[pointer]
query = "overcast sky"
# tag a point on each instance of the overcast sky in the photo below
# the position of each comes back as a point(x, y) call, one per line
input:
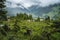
point(29, 3)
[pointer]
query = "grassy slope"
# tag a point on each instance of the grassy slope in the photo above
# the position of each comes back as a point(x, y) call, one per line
point(36, 27)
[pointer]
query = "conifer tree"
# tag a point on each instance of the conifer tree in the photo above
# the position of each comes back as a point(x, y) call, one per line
point(30, 17)
point(2, 10)
point(38, 19)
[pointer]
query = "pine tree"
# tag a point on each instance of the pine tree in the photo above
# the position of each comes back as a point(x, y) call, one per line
point(2, 10)
point(47, 18)
point(38, 19)
point(30, 17)
point(25, 16)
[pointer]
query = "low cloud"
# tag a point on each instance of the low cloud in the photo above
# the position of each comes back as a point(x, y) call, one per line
point(48, 2)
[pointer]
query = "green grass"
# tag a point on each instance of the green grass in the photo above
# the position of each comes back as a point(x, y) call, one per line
point(37, 29)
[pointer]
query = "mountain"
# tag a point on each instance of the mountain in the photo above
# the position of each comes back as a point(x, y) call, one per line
point(42, 10)
point(14, 11)
point(17, 8)
point(35, 10)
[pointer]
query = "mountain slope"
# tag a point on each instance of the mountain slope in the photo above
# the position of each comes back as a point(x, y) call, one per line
point(35, 10)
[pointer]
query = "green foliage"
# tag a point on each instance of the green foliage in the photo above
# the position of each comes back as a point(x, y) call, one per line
point(47, 18)
point(16, 27)
point(38, 19)
point(6, 28)
point(31, 31)
point(3, 32)
point(30, 17)
point(2, 11)
point(24, 16)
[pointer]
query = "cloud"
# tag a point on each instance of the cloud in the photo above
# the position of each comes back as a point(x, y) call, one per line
point(25, 3)
point(48, 2)
point(29, 3)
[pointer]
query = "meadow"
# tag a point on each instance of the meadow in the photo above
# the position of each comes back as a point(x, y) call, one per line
point(25, 30)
